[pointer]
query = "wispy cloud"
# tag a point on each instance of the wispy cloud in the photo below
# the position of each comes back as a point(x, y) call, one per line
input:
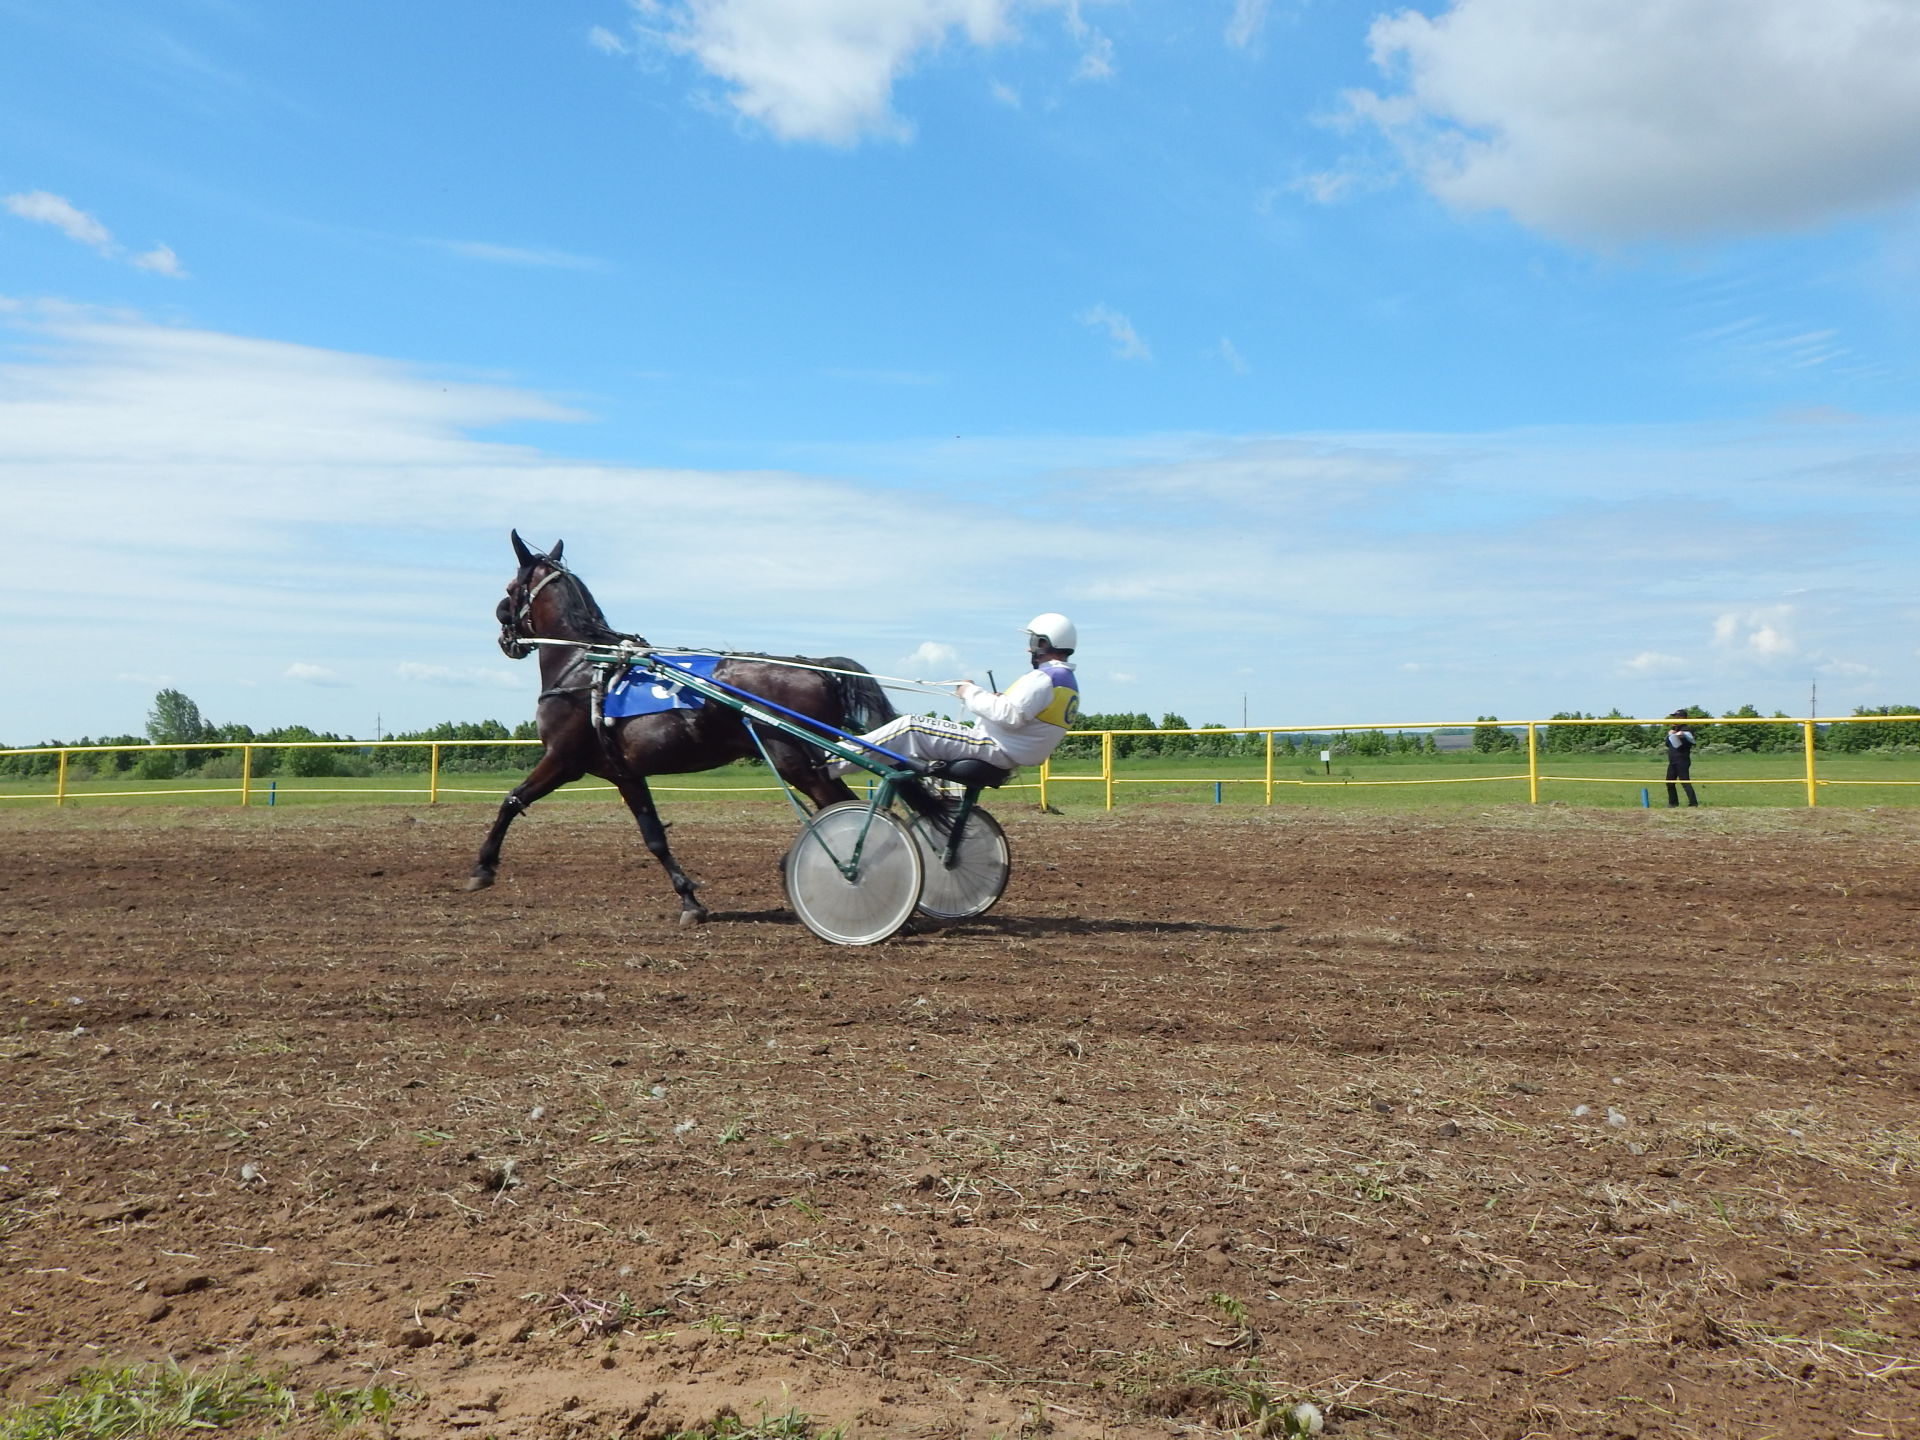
point(301, 673)
point(1653, 663)
point(1248, 20)
point(460, 677)
point(532, 257)
point(215, 471)
point(161, 261)
point(1127, 343)
point(42, 207)
point(605, 41)
point(913, 379)
point(1230, 353)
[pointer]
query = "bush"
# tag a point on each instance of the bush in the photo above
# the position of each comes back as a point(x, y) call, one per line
point(312, 764)
point(159, 765)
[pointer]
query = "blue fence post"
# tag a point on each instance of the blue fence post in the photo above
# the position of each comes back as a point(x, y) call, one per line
point(1645, 802)
point(1216, 792)
point(272, 785)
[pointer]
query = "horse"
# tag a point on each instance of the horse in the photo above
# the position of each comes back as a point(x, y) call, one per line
point(547, 601)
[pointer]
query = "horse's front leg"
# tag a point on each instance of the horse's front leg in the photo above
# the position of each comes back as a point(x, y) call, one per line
point(640, 801)
point(549, 775)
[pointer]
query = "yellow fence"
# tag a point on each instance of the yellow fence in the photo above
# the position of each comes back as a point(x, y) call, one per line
point(248, 784)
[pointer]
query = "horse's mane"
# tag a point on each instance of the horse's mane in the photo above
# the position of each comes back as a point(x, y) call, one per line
point(580, 612)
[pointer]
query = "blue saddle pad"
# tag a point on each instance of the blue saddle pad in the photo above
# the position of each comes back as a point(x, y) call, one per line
point(643, 692)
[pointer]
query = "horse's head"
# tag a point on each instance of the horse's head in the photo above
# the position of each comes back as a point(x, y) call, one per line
point(515, 610)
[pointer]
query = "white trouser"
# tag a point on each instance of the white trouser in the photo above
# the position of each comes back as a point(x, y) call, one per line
point(926, 737)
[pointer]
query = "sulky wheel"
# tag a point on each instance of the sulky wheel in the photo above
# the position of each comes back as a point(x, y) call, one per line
point(879, 896)
point(978, 876)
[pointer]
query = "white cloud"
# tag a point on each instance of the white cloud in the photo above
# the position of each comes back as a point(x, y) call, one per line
point(826, 70)
point(44, 208)
point(1756, 634)
point(1127, 343)
point(934, 660)
point(811, 71)
point(1610, 120)
point(302, 673)
point(161, 261)
point(470, 677)
point(1230, 353)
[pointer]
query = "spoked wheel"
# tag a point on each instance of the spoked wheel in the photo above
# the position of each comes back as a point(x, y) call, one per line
point(978, 876)
point(877, 899)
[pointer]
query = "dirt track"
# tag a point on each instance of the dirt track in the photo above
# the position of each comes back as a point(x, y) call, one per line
point(1217, 1111)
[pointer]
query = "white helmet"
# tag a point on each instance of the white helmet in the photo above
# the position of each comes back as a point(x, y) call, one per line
point(1056, 630)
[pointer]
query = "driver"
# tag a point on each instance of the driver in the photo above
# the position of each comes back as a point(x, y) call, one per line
point(1016, 726)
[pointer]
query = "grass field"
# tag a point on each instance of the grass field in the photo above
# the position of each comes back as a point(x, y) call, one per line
point(1409, 782)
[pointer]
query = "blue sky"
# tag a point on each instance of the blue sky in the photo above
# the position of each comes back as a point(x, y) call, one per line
point(1341, 361)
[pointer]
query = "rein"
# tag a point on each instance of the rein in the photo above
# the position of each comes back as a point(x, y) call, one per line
point(609, 653)
point(889, 682)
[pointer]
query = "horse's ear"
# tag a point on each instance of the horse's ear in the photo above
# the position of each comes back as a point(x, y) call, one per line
point(554, 554)
point(524, 555)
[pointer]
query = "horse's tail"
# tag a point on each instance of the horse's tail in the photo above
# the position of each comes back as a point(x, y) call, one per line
point(863, 704)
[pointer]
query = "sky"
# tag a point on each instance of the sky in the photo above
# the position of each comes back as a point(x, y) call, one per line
point(1325, 361)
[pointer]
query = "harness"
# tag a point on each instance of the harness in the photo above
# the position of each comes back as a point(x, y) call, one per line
point(595, 686)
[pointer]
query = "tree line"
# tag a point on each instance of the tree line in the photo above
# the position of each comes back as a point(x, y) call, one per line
point(176, 720)
point(1745, 729)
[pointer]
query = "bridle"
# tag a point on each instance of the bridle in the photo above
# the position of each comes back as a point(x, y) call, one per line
point(513, 632)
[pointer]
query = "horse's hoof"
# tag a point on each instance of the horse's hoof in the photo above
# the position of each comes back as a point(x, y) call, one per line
point(479, 882)
point(696, 916)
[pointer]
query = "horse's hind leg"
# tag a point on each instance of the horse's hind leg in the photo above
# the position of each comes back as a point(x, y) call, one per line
point(549, 775)
point(640, 801)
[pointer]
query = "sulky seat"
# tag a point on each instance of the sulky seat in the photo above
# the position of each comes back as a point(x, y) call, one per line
point(973, 774)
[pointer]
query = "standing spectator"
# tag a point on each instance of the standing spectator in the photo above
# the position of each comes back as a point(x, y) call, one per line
point(1680, 759)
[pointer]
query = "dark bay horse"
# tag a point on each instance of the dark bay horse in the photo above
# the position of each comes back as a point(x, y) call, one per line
point(547, 601)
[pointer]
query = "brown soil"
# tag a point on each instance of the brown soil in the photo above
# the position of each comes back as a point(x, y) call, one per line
point(1488, 1124)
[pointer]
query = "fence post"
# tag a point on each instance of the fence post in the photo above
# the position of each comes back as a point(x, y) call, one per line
point(1043, 781)
point(246, 775)
point(433, 776)
point(1806, 733)
point(1269, 767)
point(1533, 763)
point(1106, 763)
point(60, 784)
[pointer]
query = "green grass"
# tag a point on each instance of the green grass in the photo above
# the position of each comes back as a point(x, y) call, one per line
point(1406, 782)
point(1396, 782)
point(165, 1400)
point(788, 1425)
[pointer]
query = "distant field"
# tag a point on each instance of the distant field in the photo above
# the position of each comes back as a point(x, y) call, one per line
point(1388, 782)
